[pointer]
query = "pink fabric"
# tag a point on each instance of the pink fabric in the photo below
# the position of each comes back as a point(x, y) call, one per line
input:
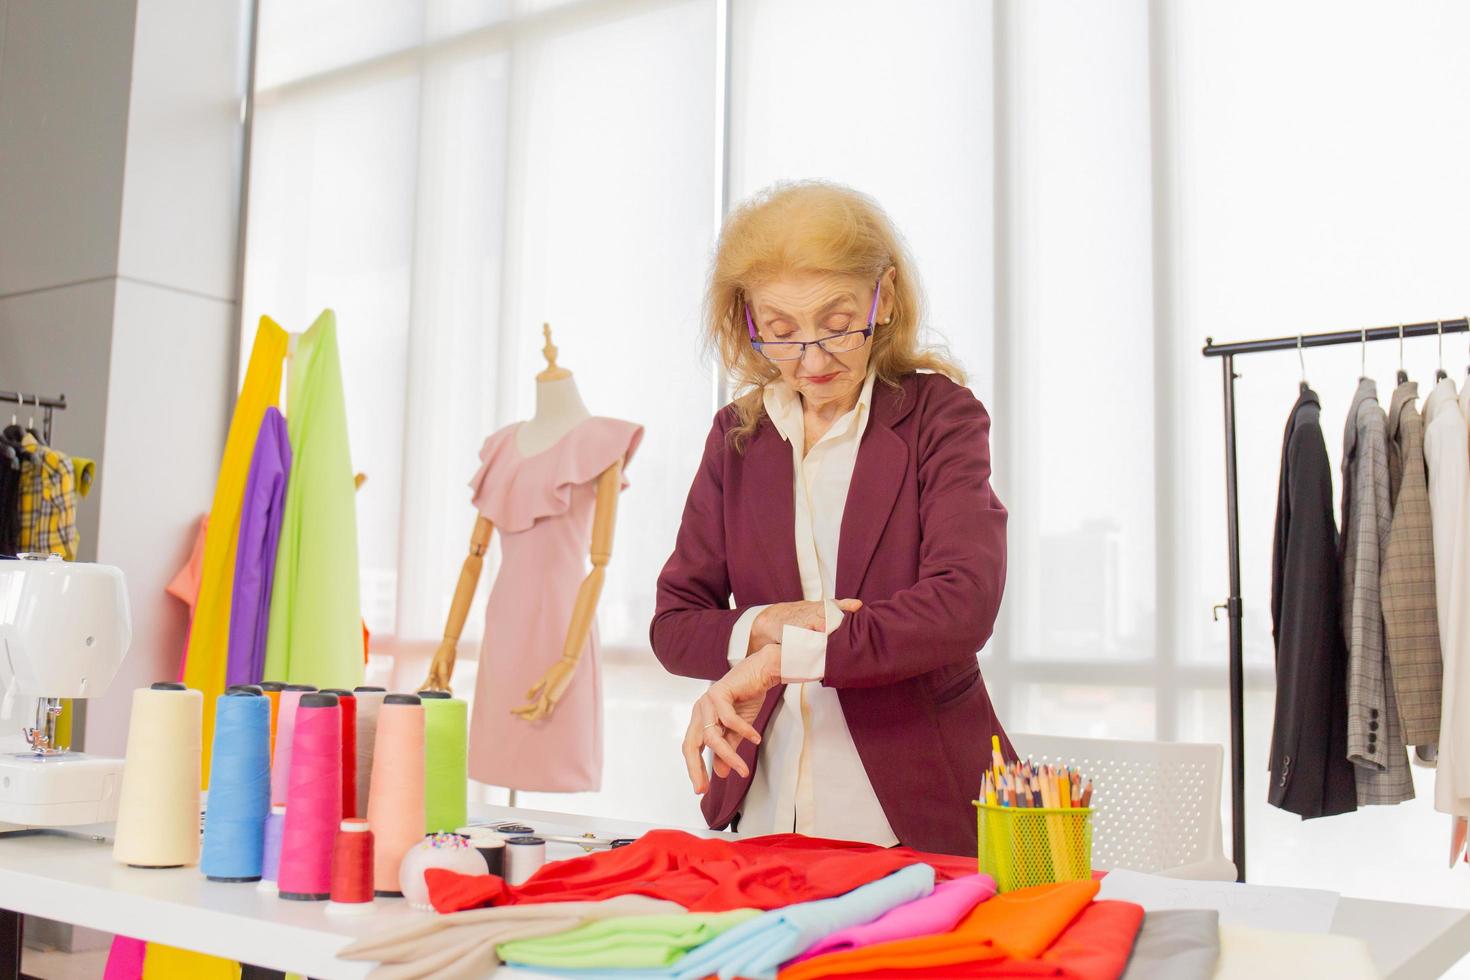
point(542, 507)
point(125, 959)
point(184, 586)
point(936, 913)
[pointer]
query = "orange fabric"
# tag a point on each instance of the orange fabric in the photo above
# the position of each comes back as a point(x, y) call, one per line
point(1019, 925)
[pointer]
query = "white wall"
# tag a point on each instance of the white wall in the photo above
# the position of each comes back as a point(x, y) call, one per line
point(120, 161)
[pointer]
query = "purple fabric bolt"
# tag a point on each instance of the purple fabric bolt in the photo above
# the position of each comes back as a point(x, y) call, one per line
point(255, 554)
point(936, 913)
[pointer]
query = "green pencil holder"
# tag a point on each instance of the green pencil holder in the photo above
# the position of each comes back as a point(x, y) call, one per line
point(1025, 846)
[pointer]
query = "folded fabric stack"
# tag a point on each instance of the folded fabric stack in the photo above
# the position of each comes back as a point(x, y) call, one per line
point(672, 906)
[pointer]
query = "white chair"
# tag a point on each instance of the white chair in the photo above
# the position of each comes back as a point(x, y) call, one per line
point(1156, 805)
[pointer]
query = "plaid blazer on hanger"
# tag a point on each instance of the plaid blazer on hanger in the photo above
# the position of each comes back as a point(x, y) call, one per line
point(1407, 577)
point(1375, 743)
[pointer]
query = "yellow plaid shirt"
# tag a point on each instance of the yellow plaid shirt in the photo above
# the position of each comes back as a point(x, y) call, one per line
point(48, 500)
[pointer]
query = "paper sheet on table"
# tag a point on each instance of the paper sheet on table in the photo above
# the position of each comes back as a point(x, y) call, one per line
point(1259, 906)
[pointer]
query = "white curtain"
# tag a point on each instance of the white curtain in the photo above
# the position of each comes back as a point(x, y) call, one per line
point(1089, 189)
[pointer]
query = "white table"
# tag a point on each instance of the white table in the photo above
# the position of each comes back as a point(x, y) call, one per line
point(76, 881)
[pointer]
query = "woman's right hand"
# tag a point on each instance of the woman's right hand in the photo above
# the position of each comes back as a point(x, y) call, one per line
point(804, 615)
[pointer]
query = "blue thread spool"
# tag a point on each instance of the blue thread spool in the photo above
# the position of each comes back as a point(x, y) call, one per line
point(239, 790)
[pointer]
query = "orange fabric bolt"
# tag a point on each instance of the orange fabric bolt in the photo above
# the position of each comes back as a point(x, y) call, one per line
point(1017, 925)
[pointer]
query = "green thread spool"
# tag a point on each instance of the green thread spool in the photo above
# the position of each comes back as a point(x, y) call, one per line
point(446, 740)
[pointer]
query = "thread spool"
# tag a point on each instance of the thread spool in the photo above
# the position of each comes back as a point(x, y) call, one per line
point(313, 800)
point(524, 856)
point(270, 865)
point(272, 690)
point(369, 703)
point(348, 704)
point(515, 830)
point(285, 728)
point(352, 868)
point(244, 689)
point(446, 776)
point(490, 845)
point(239, 787)
point(158, 808)
point(396, 798)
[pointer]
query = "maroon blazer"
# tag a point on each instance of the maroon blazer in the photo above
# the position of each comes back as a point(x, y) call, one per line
point(923, 544)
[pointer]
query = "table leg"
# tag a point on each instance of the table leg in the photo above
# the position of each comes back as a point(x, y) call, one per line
point(12, 929)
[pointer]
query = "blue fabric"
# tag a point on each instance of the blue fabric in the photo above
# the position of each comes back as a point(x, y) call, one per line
point(755, 950)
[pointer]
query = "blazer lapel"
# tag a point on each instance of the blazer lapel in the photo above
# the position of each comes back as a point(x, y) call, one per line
point(770, 502)
point(882, 461)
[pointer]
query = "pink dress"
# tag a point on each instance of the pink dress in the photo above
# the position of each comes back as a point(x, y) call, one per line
point(542, 507)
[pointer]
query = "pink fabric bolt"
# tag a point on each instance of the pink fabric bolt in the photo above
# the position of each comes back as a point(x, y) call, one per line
point(936, 913)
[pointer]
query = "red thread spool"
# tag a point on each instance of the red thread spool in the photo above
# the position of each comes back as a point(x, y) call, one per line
point(348, 703)
point(313, 800)
point(352, 867)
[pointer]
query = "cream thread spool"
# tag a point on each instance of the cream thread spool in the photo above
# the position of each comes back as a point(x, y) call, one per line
point(524, 856)
point(369, 703)
point(158, 809)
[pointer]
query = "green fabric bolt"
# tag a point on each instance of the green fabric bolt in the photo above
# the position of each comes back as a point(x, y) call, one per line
point(446, 745)
point(315, 633)
point(643, 941)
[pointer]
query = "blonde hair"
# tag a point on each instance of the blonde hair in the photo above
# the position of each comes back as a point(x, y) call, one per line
point(810, 226)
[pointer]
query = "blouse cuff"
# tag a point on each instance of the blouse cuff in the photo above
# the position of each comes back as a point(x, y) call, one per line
point(804, 652)
point(740, 635)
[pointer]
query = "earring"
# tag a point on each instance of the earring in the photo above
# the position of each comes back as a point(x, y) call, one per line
point(889, 320)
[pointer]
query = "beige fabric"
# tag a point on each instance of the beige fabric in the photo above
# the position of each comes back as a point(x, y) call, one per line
point(1260, 954)
point(461, 945)
point(1408, 590)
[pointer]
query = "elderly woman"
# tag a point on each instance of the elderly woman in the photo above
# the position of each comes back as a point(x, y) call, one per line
point(844, 503)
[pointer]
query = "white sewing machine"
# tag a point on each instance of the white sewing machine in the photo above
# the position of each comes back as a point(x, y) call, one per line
point(64, 629)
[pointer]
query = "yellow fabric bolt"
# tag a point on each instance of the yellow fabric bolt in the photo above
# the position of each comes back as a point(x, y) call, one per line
point(204, 667)
point(168, 963)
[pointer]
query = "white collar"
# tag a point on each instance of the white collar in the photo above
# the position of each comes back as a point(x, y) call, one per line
point(783, 404)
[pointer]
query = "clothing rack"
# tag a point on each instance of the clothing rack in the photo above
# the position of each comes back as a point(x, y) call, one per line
point(47, 404)
point(1232, 606)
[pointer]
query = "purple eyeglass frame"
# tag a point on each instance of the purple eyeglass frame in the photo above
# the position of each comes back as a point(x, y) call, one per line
point(867, 332)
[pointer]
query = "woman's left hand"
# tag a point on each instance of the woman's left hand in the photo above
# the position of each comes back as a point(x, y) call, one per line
point(722, 717)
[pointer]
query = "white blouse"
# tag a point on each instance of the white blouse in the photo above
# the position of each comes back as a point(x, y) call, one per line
point(809, 778)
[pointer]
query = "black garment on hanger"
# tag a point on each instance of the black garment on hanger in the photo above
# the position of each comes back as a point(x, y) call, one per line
point(1310, 772)
point(11, 454)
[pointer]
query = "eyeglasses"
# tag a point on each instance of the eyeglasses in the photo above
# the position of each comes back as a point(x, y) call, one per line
point(792, 350)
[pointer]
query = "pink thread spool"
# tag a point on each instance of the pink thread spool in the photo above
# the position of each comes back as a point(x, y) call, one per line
point(396, 795)
point(313, 800)
point(285, 725)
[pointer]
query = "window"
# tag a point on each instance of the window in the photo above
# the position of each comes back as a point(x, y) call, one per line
point(1088, 190)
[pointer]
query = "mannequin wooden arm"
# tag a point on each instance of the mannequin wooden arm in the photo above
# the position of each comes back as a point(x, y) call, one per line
point(542, 698)
point(441, 670)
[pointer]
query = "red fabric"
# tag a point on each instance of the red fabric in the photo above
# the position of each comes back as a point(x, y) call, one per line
point(1095, 946)
point(701, 875)
point(923, 545)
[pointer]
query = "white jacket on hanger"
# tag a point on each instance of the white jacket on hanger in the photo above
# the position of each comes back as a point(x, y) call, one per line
point(1447, 455)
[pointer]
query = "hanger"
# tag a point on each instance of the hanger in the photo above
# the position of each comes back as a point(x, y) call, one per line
point(1439, 374)
point(1403, 376)
point(31, 423)
point(1363, 371)
point(1302, 358)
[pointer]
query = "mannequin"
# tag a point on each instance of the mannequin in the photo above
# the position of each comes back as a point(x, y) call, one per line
point(559, 409)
